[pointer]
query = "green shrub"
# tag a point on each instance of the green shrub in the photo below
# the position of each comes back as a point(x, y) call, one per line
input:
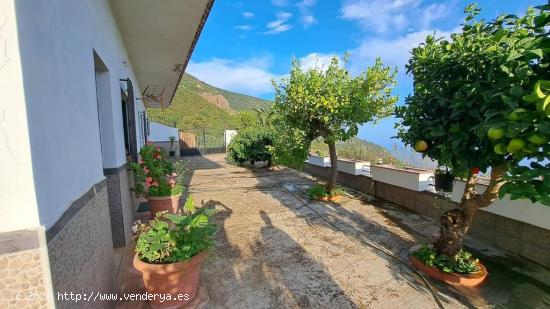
point(319, 190)
point(251, 145)
point(170, 238)
point(463, 263)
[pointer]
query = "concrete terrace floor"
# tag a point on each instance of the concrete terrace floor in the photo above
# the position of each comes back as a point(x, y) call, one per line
point(275, 248)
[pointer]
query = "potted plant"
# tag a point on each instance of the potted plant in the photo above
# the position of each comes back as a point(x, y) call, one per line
point(320, 192)
point(160, 180)
point(172, 152)
point(170, 250)
point(443, 179)
point(488, 113)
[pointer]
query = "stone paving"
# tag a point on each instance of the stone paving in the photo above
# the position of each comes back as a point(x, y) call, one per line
point(277, 249)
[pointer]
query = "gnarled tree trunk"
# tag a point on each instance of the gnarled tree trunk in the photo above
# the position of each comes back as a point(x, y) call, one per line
point(333, 166)
point(455, 223)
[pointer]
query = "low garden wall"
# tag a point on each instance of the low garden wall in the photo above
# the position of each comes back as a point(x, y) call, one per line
point(527, 240)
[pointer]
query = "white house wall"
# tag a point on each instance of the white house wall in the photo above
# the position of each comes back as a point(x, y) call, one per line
point(162, 133)
point(17, 196)
point(57, 40)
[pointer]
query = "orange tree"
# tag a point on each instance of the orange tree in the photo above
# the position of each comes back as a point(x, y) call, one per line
point(481, 102)
point(328, 103)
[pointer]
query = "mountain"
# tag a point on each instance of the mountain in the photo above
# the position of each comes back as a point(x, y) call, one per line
point(197, 104)
point(236, 101)
point(357, 149)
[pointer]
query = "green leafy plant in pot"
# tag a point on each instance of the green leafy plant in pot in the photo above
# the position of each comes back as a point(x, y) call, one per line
point(170, 250)
point(160, 180)
point(480, 104)
point(319, 192)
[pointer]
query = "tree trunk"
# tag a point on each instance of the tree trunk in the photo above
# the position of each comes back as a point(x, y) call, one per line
point(456, 223)
point(333, 166)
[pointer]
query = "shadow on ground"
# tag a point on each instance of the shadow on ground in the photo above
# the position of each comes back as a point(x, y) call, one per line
point(276, 248)
point(513, 281)
point(277, 273)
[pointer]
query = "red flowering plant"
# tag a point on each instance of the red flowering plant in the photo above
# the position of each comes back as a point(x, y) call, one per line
point(155, 174)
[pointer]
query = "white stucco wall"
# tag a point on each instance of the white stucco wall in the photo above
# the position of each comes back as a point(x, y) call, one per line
point(17, 195)
point(57, 39)
point(412, 179)
point(162, 133)
point(521, 210)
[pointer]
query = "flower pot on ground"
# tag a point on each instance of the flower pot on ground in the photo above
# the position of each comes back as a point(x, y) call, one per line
point(164, 203)
point(172, 152)
point(462, 270)
point(160, 180)
point(319, 192)
point(170, 250)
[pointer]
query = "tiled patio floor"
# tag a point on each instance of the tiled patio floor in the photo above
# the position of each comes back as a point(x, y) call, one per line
point(277, 249)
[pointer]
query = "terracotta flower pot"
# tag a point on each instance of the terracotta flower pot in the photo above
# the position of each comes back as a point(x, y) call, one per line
point(465, 280)
point(334, 198)
point(180, 280)
point(164, 203)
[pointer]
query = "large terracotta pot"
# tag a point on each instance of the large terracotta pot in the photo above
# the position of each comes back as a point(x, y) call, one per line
point(465, 280)
point(164, 203)
point(180, 280)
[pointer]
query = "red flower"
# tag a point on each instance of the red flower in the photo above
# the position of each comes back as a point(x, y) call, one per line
point(475, 170)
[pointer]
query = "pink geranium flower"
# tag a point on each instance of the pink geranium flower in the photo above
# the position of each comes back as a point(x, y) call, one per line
point(174, 174)
point(148, 180)
point(155, 184)
point(145, 170)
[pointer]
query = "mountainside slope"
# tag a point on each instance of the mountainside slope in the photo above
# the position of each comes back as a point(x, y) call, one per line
point(190, 110)
point(357, 149)
point(237, 101)
point(197, 104)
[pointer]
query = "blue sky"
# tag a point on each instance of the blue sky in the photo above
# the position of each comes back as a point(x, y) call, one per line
point(245, 44)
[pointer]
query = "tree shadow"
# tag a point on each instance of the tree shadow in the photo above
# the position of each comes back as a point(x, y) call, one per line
point(352, 219)
point(265, 270)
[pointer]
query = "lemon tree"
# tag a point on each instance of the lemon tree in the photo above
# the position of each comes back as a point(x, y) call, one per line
point(481, 102)
point(329, 103)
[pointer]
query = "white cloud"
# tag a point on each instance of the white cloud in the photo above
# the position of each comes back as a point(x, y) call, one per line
point(305, 7)
point(382, 16)
point(243, 27)
point(394, 52)
point(251, 77)
point(280, 24)
point(308, 20)
point(316, 60)
point(248, 14)
point(431, 13)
